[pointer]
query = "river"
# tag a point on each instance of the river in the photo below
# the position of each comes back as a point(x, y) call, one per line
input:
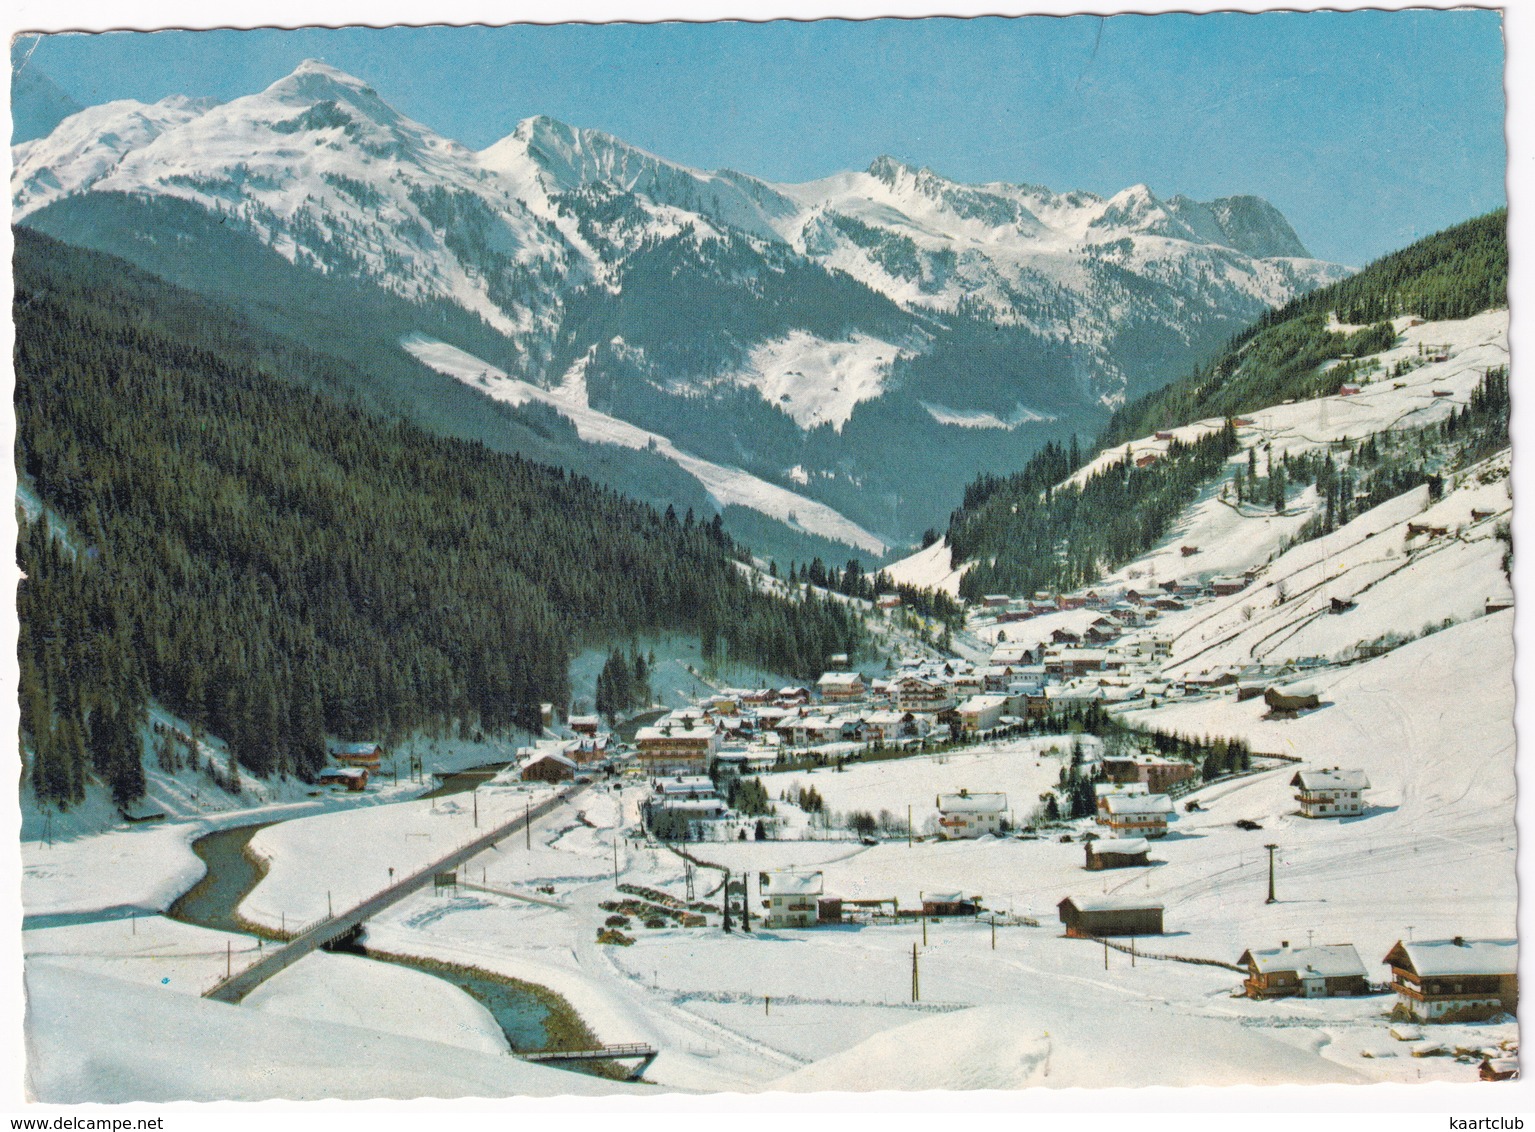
point(531, 1017)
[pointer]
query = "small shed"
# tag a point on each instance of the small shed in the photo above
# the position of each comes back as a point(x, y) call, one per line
point(1091, 916)
point(949, 904)
point(1292, 698)
point(354, 778)
point(1117, 853)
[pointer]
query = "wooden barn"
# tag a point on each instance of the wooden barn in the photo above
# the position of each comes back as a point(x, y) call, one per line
point(1117, 853)
point(1091, 916)
point(949, 904)
point(1292, 698)
point(1331, 970)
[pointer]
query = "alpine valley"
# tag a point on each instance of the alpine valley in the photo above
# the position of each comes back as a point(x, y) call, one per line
point(718, 341)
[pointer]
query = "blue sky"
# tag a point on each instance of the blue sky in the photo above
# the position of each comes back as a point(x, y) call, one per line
point(1367, 129)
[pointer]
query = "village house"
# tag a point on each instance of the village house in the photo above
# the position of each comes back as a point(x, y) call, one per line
point(1155, 771)
point(358, 754)
point(1330, 970)
point(790, 899)
point(676, 749)
point(547, 766)
point(1331, 793)
point(1446, 980)
point(913, 693)
point(981, 713)
point(585, 725)
point(841, 687)
point(967, 815)
point(1116, 853)
point(1069, 663)
point(1098, 916)
point(1136, 815)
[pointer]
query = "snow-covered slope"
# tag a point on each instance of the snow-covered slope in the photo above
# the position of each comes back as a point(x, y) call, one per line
point(726, 486)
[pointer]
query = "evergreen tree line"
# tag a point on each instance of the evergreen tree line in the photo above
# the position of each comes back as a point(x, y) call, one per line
point(277, 567)
point(853, 582)
point(1028, 533)
point(623, 684)
point(1452, 274)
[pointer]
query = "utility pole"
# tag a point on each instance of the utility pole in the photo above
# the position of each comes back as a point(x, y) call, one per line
point(908, 825)
point(916, 987)
point(527, 822)
point(1272, 898)
point(475, 794)
point(1132, 951)
point(767, 1006)
point(993, 931)
point(615, 862)
point(330, 911)
point(725, 900)
point(1105, 953)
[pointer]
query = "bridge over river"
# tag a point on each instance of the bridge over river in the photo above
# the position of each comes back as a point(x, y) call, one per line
point(332, 928)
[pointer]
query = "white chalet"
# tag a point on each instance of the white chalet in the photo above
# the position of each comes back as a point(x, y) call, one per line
point(981, 713)
point(1331, 793)
point(1135, 815)
point(790, 899)
point(965, 815)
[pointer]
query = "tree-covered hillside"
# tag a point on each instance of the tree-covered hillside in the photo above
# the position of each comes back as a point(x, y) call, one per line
point(1450, 275)
point(278, 566)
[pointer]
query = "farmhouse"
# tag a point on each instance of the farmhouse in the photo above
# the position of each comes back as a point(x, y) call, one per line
point(1116, 853)
point(966, 815)
point(1447, 980)
point(1326, 971)
point(1331, 793)
point(790, 899)
point(1153, 770)
point(1091, 916)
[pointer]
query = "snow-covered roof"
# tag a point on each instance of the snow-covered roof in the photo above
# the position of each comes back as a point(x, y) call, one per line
point(840, 678)
point(1104, 789)
point(972, 803)
point(1112, 904)
point(1120, 845)
point(1467, 957)
point(983, 703)
point(685, 784)
point(1330, 960)
point(1333, 779)
point(945, 898)
point(540, 756)
point(791, 884)
point(1138, 804)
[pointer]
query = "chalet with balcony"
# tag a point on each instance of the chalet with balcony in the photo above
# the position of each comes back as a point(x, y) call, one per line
point(841, 687)
point(1448, 980)
point(967, 815)
point(1136, 815)
point(676, 749)
point(1330, 793)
